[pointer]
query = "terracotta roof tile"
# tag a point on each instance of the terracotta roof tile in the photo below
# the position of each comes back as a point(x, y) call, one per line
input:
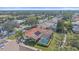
point(31, 33)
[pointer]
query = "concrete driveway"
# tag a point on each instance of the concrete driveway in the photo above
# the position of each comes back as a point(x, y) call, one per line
point(11, 45)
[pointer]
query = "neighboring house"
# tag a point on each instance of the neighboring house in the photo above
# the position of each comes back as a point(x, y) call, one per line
point(2, 31)
point(1, 21)
point(42, 20)
point(9, 25)
point(75, 17)
point(23, 27)
point(51, 24)
point(75, 23)
point(19, 22)
point(19, 25)
point(75, 27)
point(2, 36)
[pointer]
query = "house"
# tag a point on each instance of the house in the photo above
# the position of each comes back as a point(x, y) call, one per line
point(75, 26)
point(75, 17)
point(51, 24)
point(75, 23)
point(34, 33)
point(42, 20)
point(41, 36)
point(38, 33)
point(19, 25)
point(2, 36)
point(2, 31)
point(22, 28)
point(19, 21)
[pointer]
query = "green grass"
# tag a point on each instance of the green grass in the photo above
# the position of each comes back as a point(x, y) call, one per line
point(53, 46)
point(12, 37)
point(72, 36)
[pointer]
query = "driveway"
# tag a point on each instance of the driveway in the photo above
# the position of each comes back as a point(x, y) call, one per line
point(11, 45)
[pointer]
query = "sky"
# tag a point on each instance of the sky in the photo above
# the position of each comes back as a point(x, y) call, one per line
point(39, 8)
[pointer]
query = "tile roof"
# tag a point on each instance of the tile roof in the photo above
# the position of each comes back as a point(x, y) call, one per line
point(38, 31)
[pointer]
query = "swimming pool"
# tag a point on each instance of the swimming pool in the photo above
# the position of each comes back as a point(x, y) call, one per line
point(44, 40)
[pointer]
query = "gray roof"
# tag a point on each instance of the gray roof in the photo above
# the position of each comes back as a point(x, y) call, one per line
point(75, 26)
point(75, 23)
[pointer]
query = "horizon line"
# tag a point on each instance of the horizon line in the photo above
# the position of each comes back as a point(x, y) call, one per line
point(39, 8)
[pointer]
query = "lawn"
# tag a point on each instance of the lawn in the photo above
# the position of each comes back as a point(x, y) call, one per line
point(72, 36)
point(53, 46)
point(12, 37)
